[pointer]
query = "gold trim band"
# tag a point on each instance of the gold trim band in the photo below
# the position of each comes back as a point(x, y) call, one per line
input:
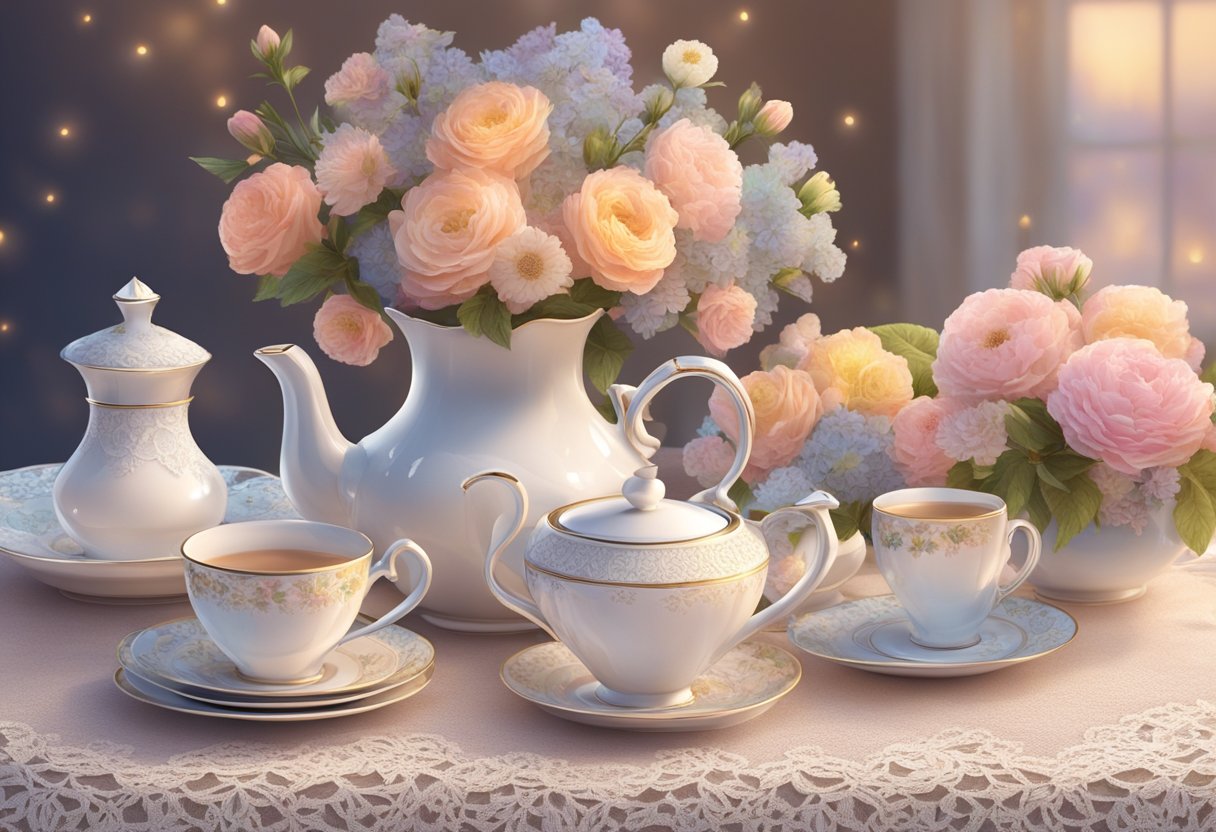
point(136, 369)
point(554, 520)
point(273, 573)
point(673, 585)
point(909, 517)
point(177, 403)
point(274, 349)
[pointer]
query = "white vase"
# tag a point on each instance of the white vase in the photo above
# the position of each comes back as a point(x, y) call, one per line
point(1107, 564)
point(472, 406)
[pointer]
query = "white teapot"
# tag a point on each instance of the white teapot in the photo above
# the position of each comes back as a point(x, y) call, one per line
point(649, 592)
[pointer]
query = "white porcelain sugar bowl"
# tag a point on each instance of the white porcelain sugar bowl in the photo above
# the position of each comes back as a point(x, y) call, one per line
point(138, 485)
point(649, 592)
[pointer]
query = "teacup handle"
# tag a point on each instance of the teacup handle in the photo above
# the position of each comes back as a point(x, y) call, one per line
point(696, 366)
point(815, 506)
point(1032, 556)
point(386, 567)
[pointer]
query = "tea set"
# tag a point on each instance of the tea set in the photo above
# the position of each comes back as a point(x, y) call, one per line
point(651, 602)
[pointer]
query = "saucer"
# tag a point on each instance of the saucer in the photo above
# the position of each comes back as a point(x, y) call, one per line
point(31, 536)
point(181, 657)
point(999, 637)
point(843, 635)
point(144, 691)
point(743, 684)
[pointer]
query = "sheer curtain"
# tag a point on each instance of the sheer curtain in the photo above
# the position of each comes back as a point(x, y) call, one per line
point(1082, 122)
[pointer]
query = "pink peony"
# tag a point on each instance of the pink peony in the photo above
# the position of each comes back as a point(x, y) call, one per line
point(447, 230)
point(349, 332)
point(270, 220)
point(700, 174)
point(359, 79)
point(707, 459)
point(915, 451)
point(774, 117)
point(1005, 344)
point(1142, 312)
point(352, 170)
point(725, 318)
point(1124, 403)
point(496, 126)
point(787, 407)
point(1056, 272)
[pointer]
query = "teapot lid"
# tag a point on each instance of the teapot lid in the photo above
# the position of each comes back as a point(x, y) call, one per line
point(641, 515)
point(136, 343)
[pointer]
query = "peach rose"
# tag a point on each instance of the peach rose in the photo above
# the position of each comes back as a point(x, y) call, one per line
point(352, 169)
point(701, 175)
point(623, 228)
point(787, 407)
point(447, 230)
point(349, 332)
point(852, 369)
point(725, 318)
point(495, 126)
point(1141, 312)
point(270, 220)
point(915, 450)
point(359, 79)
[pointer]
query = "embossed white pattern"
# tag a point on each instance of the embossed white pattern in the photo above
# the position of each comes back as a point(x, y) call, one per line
point(153, 348)
point(131, 437)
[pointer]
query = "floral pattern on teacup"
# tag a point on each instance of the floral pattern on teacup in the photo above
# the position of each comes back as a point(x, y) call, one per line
point(277, 593)
point(923, 537)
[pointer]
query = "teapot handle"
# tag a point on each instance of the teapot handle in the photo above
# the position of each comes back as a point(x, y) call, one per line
point(638, 400)
point(815, 506)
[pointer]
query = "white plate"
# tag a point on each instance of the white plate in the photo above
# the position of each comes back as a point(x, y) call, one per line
point(180, 656)
point(744, 683)
point(30, 535)
point(144, 691)
point(840, 634)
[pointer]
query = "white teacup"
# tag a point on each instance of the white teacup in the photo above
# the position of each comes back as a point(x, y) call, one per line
point(278, 623)
point(942, 551)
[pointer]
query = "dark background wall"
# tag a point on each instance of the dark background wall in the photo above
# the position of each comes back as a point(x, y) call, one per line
point(127, 201)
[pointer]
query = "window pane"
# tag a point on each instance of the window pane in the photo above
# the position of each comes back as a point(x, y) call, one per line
point(1194, 69)
point(1115, 71)
point(1115, 206)
point(1194, 248)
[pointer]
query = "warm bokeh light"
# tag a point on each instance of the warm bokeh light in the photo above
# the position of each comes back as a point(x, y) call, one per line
point(850, 120)
point(65, 131)
point(1116, 62)
point(50, 197)
point(1195, 256)
point(86, 18)
point(856, 244)
point(744, 16)
point(221, 2)
point(1024, 222)
point(1, 236)
point(141, 50)
point(221, 101)
point(5, 326)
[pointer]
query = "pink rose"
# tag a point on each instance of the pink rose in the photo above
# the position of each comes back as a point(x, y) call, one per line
point(1122, 402)
point(787, 407)
point(725, 318)
point(267, 40)
point(623, 228)
point(1056, 272)
point(707, 459)
point(359, 79)
point(349, 332)
point(1141, 312)
point(915, 451)
point(1005, 344)
point(700, 174)
point(352, 169)
point(774, 117)
point(270, 220)
point(447, 230)
point(497, 126)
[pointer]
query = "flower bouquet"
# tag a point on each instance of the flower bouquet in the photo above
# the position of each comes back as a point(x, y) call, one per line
point(529, 182)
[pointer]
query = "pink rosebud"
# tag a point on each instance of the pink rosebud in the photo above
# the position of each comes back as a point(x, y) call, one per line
point(249, 130)
point(349, 332)
point(725, 318)
point(774, 117)
point(268, 40)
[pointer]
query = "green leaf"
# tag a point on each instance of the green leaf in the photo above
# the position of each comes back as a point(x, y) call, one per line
point(962, 475)
point(375, 213)
point(1074, 510)
point(365, 293)
point(847, 520)
point(311, 275)
point(1038, 510)
point(339, 233)
point(589, 292)
point(284, 46)
point(1013, 478)
point(917, 344)
point(605, 354)
point(268, 287)
point(293, 76)
point(1209, 374)
point(604, 408)
point(1202, 466)
point(1030, 425)
point(226, 169)
point(562, 307)
point(1065, 465)
point(741, 493)
point(485, 315)
point(1195, 512)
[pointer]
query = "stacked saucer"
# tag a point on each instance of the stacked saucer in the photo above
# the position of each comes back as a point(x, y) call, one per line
point(176, 666)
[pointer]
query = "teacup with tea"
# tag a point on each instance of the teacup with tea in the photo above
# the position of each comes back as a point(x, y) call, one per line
point(276, 596)
point(942, 550)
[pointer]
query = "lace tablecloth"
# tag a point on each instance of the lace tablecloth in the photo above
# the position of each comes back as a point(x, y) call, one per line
point(1116, 732)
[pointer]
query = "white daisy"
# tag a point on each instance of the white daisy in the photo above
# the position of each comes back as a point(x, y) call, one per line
point(529, 266)
point(689, 63)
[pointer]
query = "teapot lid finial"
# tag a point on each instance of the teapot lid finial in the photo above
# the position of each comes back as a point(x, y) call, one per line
point(644, 490)
point(135, 290)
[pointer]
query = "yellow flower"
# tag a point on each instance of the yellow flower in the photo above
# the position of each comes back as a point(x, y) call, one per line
point(851, 368)
point(1141, 312)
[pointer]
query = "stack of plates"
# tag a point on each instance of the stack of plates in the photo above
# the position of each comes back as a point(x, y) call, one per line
point(178, 667)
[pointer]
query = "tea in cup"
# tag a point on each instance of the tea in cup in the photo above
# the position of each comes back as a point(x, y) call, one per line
point(277, 596)
point(942, 551)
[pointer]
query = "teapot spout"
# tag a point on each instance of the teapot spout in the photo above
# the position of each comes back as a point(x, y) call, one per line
point(314, 450)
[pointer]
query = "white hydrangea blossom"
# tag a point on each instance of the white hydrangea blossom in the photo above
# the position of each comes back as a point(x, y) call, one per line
point(782, 487)
point(659, 309)
point(377, 256)
point(848, 456)
point(792, 161)
point(709, 427)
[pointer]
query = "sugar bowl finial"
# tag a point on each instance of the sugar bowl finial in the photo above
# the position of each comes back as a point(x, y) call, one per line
point(644, 490)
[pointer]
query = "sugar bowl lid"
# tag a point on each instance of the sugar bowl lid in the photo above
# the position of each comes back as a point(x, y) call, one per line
point(136, 343)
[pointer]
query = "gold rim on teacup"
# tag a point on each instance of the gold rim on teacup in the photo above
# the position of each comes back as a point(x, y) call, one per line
point(371, 550)
point(951, 495)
